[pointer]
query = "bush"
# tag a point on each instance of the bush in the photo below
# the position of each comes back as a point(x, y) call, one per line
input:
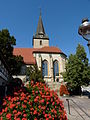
point(63, 90)
point(34, 74)
point(15, 83)
point(37, 102)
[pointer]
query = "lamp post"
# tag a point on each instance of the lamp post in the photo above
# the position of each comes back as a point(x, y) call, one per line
point(84, 31)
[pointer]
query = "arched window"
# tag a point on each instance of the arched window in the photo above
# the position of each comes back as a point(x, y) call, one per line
point(56, 68)
point(45, 68)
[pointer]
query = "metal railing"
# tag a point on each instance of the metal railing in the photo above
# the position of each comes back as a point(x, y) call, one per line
point(76, 109)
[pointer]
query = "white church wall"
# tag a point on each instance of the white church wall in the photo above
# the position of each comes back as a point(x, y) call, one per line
point(51, 58)
point(60, 60)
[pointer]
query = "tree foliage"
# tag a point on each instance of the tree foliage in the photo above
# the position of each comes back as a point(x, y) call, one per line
point(77, 70)
point(34, 73)
point(7, 43)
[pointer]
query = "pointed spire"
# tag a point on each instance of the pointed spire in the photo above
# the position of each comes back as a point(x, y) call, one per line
point(40, 27)
point(40, 33)
point(40, 12)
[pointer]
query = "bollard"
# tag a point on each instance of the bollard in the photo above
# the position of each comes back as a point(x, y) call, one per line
point(68, 105)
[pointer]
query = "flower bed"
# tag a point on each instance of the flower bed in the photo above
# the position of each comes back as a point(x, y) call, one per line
point(37, 102)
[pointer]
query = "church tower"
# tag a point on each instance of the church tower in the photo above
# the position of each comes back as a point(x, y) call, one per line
point(40, 39)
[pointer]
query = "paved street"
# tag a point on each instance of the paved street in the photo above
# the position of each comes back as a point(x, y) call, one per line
point(77, 113)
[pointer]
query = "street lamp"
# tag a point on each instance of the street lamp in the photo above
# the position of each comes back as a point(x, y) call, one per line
point(84, 31)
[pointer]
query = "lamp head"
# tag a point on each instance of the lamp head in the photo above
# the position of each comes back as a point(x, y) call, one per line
point(84, 20)
point(84, 29)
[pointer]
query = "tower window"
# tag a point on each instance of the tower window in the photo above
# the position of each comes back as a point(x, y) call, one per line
point(40, 42)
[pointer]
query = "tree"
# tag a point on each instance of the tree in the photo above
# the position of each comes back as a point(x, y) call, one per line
point(17, 62)
point(34, 73)
point(77, 71)
point(7, 43)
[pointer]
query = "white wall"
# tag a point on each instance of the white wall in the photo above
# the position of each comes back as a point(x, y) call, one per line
point(51, 58)
point(36, 43)
point(22, 77)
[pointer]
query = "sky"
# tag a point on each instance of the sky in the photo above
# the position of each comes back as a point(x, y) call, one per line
point(61, 20)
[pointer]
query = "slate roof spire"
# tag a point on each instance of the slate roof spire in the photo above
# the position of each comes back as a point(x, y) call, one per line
point(40, 33)
point(40, 27)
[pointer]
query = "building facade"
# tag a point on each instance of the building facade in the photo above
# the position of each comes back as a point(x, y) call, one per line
point(4, 70)
point(51, 60)
point(4, 75)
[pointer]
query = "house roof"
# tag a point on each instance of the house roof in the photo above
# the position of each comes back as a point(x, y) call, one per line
point(48, 49)
point(27, 53)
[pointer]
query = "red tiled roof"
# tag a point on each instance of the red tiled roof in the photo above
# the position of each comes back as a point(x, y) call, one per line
point(27, 53)
point(48, 49)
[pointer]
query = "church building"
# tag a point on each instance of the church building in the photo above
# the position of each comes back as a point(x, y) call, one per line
point(51, 60)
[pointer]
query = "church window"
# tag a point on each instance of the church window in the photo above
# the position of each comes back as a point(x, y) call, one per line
point(40, 42)
point(45, 68)
point(56, 68)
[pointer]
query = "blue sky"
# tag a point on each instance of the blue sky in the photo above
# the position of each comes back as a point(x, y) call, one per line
point(61, 19)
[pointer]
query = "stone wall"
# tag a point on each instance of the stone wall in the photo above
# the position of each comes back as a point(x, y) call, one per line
point(36, 43)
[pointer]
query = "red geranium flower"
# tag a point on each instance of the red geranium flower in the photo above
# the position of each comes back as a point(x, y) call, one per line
point(24, 106)
point(24, 115)
point(25, 101)
point(4, 103)
point(8, 116)
point(12, 106)
point(9, 98)
point(1, 118)
point(35, 100)
point(6, 109)
point(45, 115)
point(15, 111)
point(42, 101)
point(35, 112)
point(53, 103)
